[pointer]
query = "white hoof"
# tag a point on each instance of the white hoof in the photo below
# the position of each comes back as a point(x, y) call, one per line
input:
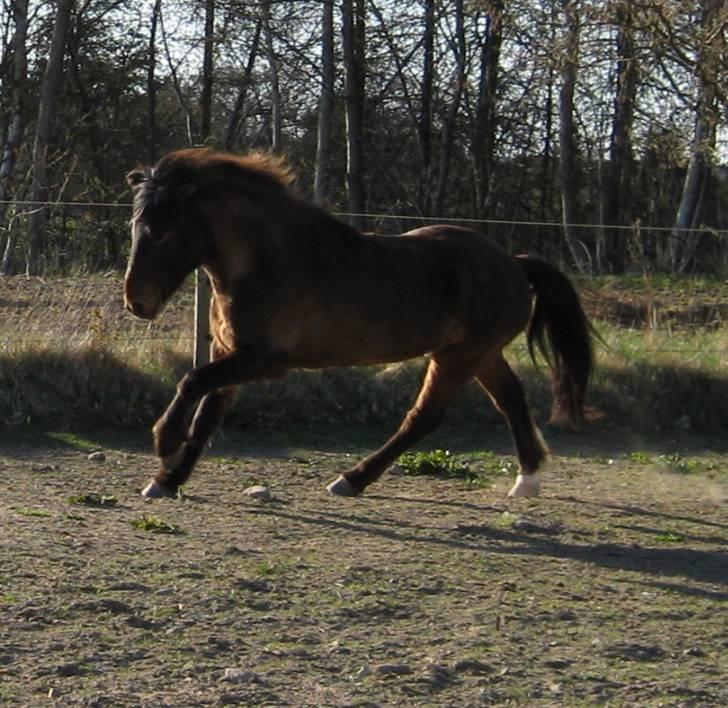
point(527, 485)
point(154, 490)
point(343, 487)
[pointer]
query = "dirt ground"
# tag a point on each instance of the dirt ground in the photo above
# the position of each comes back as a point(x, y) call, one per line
point(610, 589)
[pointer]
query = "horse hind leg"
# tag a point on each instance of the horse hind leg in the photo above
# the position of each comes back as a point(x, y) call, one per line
point(176, 471)
point(444, 375)
point(506, 391)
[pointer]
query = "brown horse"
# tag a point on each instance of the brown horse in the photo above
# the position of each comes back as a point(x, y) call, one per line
point(293, 287)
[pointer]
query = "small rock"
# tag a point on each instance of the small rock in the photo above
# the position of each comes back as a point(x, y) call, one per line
point(528, 526)
point(258, 491)
point(473, 666)
point(241, 676)
point(393, 670)
point(114, 607)
point(139, 622)
point(97, 456)
point(438, 674)
point(69, 670)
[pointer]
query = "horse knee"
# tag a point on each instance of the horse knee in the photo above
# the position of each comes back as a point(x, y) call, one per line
point(188, 387)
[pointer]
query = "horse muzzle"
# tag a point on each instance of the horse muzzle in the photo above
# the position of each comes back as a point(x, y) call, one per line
point(143, 305)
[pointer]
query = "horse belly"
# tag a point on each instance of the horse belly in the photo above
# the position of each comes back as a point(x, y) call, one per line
point(365, 338)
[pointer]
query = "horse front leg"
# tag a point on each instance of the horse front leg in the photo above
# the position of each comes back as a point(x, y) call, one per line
point(175, 471)
point(174, 440)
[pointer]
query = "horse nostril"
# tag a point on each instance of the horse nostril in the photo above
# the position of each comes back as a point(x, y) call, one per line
point(137, 308)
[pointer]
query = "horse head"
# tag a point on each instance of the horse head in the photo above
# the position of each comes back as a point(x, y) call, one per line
point(167, 236)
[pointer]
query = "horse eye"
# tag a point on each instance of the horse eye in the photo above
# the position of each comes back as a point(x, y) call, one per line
point(153, 234)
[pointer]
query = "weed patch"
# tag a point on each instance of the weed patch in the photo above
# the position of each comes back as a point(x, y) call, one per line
point(478, 471)
point(154, 524)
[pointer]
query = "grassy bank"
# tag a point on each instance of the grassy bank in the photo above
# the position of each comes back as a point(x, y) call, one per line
point(70, 356)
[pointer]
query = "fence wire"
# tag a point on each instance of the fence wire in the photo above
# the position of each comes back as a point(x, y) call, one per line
point(72, 312)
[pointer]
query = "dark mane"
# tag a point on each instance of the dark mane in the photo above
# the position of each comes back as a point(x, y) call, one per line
point(184, 172)
point(209, 164)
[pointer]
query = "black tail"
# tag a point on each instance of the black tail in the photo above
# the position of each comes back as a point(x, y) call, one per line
point(560, 329)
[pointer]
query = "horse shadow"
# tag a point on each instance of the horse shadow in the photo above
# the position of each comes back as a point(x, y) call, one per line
point(683, 565)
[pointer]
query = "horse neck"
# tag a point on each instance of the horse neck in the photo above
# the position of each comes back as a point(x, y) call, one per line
point(297, 232)
point(320, 226)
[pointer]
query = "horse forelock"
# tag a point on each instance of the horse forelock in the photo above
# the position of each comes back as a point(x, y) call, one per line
point(146, 196)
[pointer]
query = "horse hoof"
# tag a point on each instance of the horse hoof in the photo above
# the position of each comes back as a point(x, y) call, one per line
point(527, 485)
point(342, 487)
point(154, 490)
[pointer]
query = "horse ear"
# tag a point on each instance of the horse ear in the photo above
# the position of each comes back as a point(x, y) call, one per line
point(136, 178)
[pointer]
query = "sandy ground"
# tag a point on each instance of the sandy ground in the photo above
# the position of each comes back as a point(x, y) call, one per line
point(611, 588)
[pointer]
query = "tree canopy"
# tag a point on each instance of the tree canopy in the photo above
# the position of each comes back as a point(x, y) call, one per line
point(591, 132)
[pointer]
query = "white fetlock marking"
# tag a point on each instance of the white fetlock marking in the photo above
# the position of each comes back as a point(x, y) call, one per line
point(527, 485)
point(343, 488)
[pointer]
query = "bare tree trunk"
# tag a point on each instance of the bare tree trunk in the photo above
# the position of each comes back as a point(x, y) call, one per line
point(567, 135)
point(682, 244)
point(188, 113)
point(207, 73)
point(52, 80)
point(448, 127)
point(424, 124)
point(617, 197)
point(326, 103)
point(485, 126)
point(16, 128)
point(353, 25)
point(152, 84)
point(275, 89)
point(236, 119)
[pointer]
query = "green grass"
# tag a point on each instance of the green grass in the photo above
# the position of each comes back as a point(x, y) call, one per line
point(34, 513)
point(154, 524)
point(670, 537)
point(477, 470)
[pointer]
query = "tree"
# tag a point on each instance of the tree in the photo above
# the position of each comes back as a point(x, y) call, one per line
point(152, 83)
point(236, 117)
point(207, 72)
point(50, 88)
point(618, 193)
point(709, 63)
point(447, 134)
point(486, 113)
point(326, 103)
point(424, 122)
point(18, 115)
point(353, 43)
point(567, 133)
point(276, 111)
